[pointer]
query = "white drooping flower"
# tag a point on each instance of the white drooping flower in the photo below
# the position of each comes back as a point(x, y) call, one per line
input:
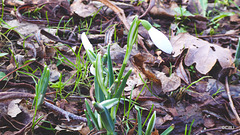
point(92, 69)
point(158, 38)
point(88, 46)
point(86, 43)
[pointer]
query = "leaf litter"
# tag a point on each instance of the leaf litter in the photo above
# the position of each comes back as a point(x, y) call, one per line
point(172, 84)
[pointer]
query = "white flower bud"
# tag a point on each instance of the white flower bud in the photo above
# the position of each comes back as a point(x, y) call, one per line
point(86, 43)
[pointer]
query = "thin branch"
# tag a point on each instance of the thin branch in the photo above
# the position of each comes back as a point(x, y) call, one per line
point(230, 100)
point(16, 70)
point(64, 113)
point(17, 95)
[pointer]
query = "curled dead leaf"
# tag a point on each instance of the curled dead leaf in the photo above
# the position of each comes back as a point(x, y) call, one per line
point(169, 83)
point(139, 62)
point(201, 52)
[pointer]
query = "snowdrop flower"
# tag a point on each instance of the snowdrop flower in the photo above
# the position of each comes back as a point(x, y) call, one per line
point(158, 38)
point(88, 46)
point(92, 69)
point(86, 43)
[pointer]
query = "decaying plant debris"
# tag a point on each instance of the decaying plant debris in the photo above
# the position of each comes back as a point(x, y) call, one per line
point(197, 86)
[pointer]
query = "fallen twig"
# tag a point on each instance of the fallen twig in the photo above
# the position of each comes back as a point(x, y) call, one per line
point(16, 70)
point(211, 129)
point(230, 100)
point(234, 132)
point(65, 113)
point(218, 117)
point(15, 95)
point(91, 92)
point(151, 5)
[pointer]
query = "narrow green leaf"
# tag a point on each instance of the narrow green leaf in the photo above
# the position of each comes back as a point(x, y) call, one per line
point(98, 92)
point(185, 133)
point(41, 87)
point(151, 124)
point(123, 84)
point(168, 130)
point(139, 120)
point(89, 123)
point(90, 113)
point(109, 103)
point(105, 117)
point(110, 67)
point(190, 129)
point(99, 75)
point(220, 16)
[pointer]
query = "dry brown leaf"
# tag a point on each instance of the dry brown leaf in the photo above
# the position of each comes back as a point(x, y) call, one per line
point(13, 109)
point(155, 132)
point(14, 2)
point(24, 28)
point(234, 18)
point(161, 120)
point(194, 6)
point(82, 128)
point(180, 71)
point(83, 10)
point(168, 83)
point(135, 80)
point(201, 52)
point(171, 13)
point(209, 122)
point(139, 62)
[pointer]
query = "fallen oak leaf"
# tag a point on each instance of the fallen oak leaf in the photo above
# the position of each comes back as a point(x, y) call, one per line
point(170, 83)
point(201, 52)
point(83, 10)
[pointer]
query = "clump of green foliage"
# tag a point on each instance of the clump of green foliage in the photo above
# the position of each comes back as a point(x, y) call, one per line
point(108, 90)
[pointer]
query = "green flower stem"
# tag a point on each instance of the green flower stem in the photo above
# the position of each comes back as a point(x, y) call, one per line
point(132, 38)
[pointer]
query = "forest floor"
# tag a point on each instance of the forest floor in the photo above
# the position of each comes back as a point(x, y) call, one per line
point(193, 90)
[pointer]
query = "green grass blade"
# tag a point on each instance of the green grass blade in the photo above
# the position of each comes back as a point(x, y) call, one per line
point(190, 129)
point(185, 133)
point(151, 124)
point(139, 120)
point(168, 130)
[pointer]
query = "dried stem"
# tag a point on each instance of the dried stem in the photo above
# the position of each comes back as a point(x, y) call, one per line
point(230, 100)
point(16, 95)
point(16, 70)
